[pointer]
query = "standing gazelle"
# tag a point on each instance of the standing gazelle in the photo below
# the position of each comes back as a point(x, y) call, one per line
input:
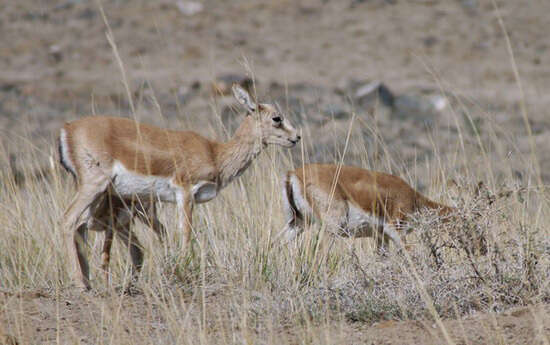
point(351, 201)
point(135, 161)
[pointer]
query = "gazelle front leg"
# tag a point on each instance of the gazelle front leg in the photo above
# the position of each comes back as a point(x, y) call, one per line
point(185, 203)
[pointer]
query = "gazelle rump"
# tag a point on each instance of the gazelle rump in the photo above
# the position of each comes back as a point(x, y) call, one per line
point(351, 201)
point(140, 163)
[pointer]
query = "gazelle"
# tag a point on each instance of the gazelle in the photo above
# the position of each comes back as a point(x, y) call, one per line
point(351, 201)
point(142, 163)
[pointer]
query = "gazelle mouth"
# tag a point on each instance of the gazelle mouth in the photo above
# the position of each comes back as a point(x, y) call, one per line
point(295, 141)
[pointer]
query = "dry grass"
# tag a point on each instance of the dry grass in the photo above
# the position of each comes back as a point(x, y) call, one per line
point(234, 287)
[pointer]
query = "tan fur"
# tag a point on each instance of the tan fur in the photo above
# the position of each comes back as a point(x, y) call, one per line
point(101, 150)
point(334, 194)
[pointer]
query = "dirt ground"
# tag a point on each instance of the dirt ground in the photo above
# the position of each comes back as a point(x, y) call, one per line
point(56, 64)
point(78, 314)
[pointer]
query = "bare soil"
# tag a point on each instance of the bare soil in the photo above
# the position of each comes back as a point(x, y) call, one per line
point(72, 316)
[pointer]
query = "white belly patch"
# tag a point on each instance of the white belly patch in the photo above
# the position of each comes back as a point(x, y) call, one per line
point(127, 183)
point(361, 223)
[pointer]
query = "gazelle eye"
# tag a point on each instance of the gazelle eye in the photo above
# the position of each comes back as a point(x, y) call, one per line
point(277, 119)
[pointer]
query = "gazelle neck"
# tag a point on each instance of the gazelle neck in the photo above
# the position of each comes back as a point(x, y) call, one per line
point(234, 156)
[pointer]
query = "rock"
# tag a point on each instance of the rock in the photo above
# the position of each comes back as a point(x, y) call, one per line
point(419, 107)
point(370, 92)
point(407, 106)
point(385, 95)
point(87, 14)
point(55, 53)
point(367, 89)
point(430, 41)
point(190, 8)
point(438, 102)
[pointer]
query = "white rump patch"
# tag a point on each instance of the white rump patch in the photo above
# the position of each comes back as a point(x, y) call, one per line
point(204, 191)
point(299, 200)
point(127, 184)
point(65, 155)
point(289, 213)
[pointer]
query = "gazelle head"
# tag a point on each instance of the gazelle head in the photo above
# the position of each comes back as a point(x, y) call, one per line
point(275, 129)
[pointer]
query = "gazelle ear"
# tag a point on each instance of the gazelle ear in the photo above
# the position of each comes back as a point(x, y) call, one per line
point(243, 97)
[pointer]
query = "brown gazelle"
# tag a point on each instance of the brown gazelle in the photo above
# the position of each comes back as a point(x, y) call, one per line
point(134, 161)
point(351, 201)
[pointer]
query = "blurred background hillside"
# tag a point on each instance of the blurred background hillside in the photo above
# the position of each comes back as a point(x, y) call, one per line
point(444, 63)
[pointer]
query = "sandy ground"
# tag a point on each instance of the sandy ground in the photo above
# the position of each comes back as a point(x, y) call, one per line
point(56, 64)
point(72, 316)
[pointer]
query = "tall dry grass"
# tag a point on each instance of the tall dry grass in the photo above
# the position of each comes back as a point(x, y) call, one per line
point(234, 286)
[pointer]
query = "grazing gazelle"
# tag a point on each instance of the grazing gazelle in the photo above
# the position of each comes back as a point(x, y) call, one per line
point(351, 201)
point(142, 163)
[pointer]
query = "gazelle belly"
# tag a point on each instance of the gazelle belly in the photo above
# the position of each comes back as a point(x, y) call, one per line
point(127, 183)
point(360, 223)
